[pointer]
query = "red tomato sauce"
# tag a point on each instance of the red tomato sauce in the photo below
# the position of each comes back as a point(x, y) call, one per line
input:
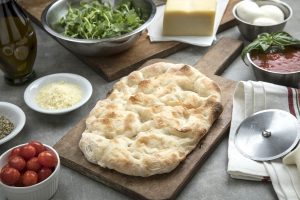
point(286, 61)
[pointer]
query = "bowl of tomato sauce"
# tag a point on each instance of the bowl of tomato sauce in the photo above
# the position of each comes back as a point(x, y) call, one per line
point(279, 67)
point(29, 171)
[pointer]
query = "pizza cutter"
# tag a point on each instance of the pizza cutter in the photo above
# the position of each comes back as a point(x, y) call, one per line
point(267, 135)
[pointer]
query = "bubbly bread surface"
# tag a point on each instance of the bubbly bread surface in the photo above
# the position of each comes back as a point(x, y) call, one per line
point(152, 119)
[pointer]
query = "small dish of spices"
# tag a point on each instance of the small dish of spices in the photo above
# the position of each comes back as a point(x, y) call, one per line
point(58, 93)
point(6, 126)
point(12, 121)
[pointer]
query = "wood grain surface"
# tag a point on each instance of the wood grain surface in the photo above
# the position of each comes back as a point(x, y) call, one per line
point(116, 66)
point(165, 186)
point(228, 20)
point(228, 49)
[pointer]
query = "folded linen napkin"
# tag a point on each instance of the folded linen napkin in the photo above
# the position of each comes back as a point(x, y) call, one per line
point(250, 97)
point(155, 28)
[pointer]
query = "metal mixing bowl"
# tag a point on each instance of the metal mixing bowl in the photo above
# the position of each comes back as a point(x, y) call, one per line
point(290, 79)
point(94, 47)
point(250, 31)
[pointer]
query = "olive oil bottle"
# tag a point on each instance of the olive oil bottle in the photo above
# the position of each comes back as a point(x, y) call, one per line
point(18, 44)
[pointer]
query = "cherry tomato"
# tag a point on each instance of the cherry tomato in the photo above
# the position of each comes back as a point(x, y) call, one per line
point(10, 176)
point(15, 152)
point(27, 151)
point(29, 178)
point(5, 166)
point(33, 164)
point(47, 159)
point(39, 147)
point(44, 173)
point(17, 162)
point(19, 183)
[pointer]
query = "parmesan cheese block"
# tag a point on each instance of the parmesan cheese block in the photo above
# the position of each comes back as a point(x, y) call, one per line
point(189, 17)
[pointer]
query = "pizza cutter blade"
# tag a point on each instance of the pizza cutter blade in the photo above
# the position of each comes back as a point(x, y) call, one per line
point(267, 135)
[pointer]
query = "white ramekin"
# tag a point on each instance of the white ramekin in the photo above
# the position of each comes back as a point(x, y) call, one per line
point(40, 191)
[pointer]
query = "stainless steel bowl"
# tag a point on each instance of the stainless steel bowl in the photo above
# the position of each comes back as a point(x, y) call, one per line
point(290, 79)
point(250, 31)
point(93, 47)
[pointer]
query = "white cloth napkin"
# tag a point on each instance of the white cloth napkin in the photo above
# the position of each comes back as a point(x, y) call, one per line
point(155, 28)
point(250, 97)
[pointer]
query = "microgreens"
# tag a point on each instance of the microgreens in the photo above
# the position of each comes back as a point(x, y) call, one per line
point(97, 20)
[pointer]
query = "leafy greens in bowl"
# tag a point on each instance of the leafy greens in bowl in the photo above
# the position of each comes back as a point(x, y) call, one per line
point(80, 26)
point(97, 20)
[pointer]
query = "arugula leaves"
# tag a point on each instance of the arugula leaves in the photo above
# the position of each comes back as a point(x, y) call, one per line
point(96, 20)
point(270, 42)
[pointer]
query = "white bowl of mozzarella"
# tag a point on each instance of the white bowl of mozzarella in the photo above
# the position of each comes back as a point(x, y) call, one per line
point(256, 17)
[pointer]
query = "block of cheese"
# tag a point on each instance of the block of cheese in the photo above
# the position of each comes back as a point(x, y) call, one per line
point(189, 17)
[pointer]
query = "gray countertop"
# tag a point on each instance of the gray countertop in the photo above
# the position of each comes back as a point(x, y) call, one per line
point(210, 182)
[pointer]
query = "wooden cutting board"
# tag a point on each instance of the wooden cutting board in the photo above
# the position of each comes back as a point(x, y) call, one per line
point(165, 186)
point(116, 66)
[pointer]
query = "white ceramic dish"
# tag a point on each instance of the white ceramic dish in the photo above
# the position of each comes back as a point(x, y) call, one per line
point(40, 191)
point(32, 90)
point(15, 115)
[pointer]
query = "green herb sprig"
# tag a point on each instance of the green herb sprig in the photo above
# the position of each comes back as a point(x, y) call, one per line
point(97, 20)
point(270, 42)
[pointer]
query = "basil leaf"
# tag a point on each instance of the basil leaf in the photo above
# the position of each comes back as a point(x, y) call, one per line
point(267, 42)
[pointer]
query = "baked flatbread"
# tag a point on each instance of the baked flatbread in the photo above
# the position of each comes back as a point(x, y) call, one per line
point(152, 119)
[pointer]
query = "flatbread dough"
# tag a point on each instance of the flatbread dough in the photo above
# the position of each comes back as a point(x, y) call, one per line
point(152, 119)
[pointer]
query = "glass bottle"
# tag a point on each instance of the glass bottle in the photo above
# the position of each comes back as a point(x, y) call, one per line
point(18, 43)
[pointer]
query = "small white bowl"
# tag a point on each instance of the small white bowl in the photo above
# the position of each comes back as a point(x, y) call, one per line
point(15, 115)
point(40, 191)
point(32, 90)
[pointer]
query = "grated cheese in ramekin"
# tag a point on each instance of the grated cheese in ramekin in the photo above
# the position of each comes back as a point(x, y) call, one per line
point(58, 95)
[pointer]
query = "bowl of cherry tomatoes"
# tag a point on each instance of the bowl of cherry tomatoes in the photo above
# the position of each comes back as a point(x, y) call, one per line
point(29, 171)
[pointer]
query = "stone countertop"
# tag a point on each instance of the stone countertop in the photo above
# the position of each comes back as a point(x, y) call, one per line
point(211, 182)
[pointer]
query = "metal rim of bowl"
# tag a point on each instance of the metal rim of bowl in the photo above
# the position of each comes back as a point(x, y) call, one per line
point(90, 41)
point(279, 2)
point(268, 71)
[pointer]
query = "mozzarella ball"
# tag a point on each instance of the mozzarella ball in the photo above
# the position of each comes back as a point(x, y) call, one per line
point(248, 10)
point(264, 21)
point(273, 12)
